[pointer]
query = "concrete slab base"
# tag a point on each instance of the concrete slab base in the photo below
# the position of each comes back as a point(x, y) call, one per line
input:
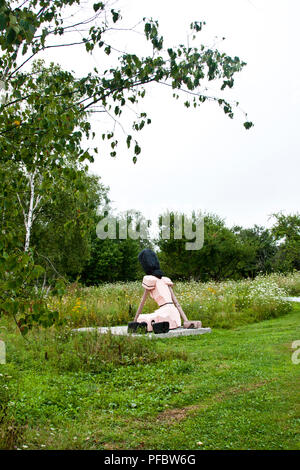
point(122, 331)
point(292, 299)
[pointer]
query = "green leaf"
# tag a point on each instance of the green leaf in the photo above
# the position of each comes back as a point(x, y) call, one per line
point(128, 140)
point(137, 149)
point(98, 6)
point(3, 21)
point(11, 36)
point(147, 28)
point(115, 15)
point(248, 124)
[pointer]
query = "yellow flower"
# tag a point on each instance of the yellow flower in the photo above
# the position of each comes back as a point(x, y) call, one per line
point(211, 290)
point(17, 123)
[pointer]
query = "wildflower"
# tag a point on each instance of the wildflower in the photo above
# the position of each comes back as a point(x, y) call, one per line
point(212, 290)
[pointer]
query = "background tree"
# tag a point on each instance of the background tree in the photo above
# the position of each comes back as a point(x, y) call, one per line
point(259, 248)
point(40, 162)
point(226, 253)
point(217, 259)
point(62, 236)
point(116, 259)
point(40, 155)
point(286, 231)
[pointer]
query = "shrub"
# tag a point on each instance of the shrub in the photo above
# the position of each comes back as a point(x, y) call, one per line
point(64, 350)
point(10, 431)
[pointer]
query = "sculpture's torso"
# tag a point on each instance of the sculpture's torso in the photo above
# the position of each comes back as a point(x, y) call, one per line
point(160, 292)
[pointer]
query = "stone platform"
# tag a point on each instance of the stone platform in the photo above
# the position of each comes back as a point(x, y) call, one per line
point(292, 299)
point(122, 331)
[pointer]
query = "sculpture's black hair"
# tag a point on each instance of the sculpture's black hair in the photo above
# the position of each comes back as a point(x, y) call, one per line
point(150, 263)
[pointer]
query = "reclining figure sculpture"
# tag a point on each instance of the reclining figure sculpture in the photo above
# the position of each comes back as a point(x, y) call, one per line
point(169, 314)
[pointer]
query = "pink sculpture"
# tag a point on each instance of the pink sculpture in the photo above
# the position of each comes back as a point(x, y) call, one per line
point(167, 316)
point(160, 292)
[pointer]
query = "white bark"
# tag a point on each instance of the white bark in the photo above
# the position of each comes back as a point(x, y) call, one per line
point(2, 353)
point(29, 221)
point(31, 213)
point(3, 97)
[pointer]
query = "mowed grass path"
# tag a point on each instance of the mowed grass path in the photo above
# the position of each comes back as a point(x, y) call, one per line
point(237, 389)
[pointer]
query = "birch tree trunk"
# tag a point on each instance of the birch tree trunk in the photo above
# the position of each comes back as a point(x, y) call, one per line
point(31, 213)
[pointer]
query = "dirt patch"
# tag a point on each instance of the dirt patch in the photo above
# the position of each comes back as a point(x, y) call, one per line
point(248, 388)
point(224, 366)
point(112, 446)
point(179, 414)
point(176, 414)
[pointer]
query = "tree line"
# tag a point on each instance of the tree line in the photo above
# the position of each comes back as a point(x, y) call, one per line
point(227, 253)
point(61, 236)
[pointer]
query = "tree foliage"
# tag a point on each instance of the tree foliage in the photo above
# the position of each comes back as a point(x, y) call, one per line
point(116, 259)
point(217, 259)
point(44, 170)
point(183, 68)
point(62, 236)
point(286, 231)
point(233, 253)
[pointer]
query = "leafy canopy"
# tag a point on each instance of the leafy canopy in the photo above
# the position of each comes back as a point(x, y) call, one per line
point(37, 25)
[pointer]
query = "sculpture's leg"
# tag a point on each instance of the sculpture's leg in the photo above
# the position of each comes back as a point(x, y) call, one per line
point(139, 310)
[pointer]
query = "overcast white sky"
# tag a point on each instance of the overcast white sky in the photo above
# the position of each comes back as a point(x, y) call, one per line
point(200, 159)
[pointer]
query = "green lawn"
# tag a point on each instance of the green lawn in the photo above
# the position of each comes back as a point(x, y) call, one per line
point(231, 389)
